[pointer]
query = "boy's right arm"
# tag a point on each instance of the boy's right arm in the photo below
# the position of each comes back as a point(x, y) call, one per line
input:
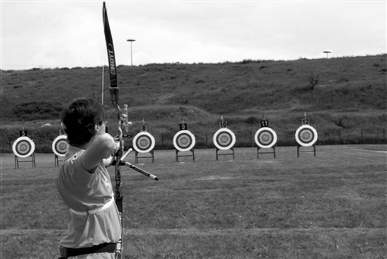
point(102, 146)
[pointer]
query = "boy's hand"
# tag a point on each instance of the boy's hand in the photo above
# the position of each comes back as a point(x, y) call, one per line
point(107, 161)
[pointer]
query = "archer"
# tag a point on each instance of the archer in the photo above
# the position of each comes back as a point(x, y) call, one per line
point(84, 184)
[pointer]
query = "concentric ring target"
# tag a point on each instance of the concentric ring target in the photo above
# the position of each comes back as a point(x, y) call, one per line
point(23, 147)
point(265, 137)
point(143, 142)
point(306, 136)
point(224, 139)
point(60, 146)
point(184, 140)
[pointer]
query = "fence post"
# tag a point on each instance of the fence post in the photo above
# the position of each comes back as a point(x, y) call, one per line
point(252, 138)
point(361, 136)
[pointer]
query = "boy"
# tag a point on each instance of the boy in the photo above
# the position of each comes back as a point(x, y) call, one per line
point(84, 184)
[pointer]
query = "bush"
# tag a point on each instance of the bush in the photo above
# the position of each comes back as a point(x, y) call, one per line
point(37, 110)
point(251, 120)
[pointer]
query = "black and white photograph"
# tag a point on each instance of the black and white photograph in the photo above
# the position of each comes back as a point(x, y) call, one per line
point(193, 129)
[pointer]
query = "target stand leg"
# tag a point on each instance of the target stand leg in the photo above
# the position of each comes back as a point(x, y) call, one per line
point(137, 157)
point(299, 150)
point(57, 160)
point(267, 152)
point(16, 162)
point(232, 153)
point(190, 155)
point(32, 160)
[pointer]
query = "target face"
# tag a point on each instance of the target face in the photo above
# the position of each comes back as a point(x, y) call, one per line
point(306, 135)
point(143, 142)
point(60, 146)
point(23, 147)
point(184, 140)
point(224, 139)
point(265, 137)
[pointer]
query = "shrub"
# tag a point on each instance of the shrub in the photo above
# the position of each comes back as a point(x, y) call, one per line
point(37, 110)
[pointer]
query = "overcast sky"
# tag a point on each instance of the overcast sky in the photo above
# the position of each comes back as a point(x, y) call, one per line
point(68, 33)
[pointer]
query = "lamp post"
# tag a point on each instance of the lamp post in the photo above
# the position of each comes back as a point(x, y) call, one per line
point(327, 52)
point(131, 50)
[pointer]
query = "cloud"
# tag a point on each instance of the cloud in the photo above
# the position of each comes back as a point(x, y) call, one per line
point(69, 33)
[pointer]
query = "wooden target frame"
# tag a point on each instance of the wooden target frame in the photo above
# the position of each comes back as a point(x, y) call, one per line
point(138, 150)
point(305, 145)
point(187, 148)
point(270, 145)
point(57, 148)
point(24, 141)
point(219, 147)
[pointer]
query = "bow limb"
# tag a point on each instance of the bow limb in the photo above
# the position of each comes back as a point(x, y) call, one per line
point(114, 93)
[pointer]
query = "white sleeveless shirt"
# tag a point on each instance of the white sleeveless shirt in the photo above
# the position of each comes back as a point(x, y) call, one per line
point(94, 217)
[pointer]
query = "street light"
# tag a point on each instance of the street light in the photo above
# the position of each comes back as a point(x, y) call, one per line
point(327, 52)
point(131, 50)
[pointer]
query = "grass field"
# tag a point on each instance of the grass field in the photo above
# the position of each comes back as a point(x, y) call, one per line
point(329, 206)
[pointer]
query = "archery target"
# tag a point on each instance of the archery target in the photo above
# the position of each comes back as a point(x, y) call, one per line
point(23, 147)
point(265, 137)
point(184, 140)
point(143, 142)
point(306, 135)
point(60, 146)
point(224, 139)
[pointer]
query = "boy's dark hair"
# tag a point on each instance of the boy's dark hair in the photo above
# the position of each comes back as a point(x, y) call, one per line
point(79, 120)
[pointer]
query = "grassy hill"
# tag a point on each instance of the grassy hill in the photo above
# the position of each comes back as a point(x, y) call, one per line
point(339, 94)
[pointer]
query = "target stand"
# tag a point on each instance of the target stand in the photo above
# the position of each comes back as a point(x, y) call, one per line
point(138, 156)
point(265, 151)
point(224, 140)
point(306, 137)
point(306, 150)
point(143, 144)
point(22, 160)
point(23, 149)
point(231, 153)
point(266, 139)
point(184, 141)
point(191, 154)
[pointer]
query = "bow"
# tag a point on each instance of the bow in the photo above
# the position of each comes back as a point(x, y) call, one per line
point(114, 91)
point(122, 118)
